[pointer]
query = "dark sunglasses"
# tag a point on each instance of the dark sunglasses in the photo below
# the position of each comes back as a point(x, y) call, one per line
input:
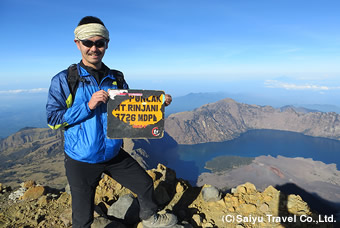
point(97, 43)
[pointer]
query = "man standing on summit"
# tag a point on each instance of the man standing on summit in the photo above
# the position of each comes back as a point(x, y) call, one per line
point(88, 152)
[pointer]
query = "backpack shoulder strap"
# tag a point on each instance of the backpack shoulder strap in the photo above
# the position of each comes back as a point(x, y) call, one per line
point(73, 79)
point(119, 77)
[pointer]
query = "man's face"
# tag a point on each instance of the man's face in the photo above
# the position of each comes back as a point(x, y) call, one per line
point(92, 53)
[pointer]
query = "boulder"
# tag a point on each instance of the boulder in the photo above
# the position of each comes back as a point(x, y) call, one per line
point(211, 194)
point(125, 208)
point(33, 193)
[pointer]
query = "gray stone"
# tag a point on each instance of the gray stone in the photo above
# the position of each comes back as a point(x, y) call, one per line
point(106, 223)
point(211, 194)
point(125, 208)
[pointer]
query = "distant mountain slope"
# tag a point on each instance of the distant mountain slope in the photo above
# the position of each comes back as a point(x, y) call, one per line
point(37, 153)
point(32, 153)
point(227, 119)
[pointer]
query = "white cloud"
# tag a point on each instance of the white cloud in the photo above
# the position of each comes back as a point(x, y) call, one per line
point(20, 91)
point(292, 86)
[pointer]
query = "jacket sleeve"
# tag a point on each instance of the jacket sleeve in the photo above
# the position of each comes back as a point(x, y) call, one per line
point(59, 109)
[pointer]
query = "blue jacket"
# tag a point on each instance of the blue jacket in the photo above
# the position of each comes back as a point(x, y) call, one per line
point(85, 130)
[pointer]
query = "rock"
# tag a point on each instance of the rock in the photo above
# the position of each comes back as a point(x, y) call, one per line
point(64, 198)
point(197, 219)
point(28, 184)
point(4, 189)
point(66, 217)
point(33, 193)
point(211, 194)
point(152, 175)
point(246, 208)
point(296, 205)
point(250, 188)
point(19, 214)
point(246, 188)
point(168, 175)
point(264, 208)
point(108, 189)
point(101, 222)
point(208, 225)
point(125, 208)
point(17, 194)
point(43, 201)
point(240, 190)
point(194, 206)
point(270, 190)
point(182, 186)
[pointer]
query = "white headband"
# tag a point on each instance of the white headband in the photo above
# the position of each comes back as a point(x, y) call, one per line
point(86, 31)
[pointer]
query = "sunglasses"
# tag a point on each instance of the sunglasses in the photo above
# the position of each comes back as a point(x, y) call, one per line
point(98, 43)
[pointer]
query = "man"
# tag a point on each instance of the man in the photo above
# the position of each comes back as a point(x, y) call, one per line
point(88, 152)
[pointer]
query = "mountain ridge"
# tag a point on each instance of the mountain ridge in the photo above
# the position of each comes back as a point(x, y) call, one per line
point(39, 150)
point(227, 119)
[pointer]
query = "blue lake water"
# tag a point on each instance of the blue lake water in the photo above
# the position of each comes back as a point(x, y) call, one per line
point(192, 158)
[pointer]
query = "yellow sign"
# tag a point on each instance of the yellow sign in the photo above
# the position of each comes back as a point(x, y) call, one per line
point(135, 114)
point(140, 112)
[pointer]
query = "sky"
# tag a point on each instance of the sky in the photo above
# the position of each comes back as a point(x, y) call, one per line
point(270, 48)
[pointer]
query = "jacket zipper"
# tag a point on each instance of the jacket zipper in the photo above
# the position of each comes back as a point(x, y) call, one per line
point(108, 76)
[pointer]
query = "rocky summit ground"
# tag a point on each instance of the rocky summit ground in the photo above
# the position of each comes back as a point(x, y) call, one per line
point(33, 205)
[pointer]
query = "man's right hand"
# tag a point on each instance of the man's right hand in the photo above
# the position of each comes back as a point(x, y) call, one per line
point(97, 98)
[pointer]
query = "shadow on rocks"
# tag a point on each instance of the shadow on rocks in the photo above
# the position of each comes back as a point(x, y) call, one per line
point(326, 209)
point(181, 209)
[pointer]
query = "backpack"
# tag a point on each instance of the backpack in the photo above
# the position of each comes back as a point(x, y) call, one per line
point(73, 79)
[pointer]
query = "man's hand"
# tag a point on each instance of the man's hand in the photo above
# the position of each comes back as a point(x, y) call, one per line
point(168, 99)
point(97, 98)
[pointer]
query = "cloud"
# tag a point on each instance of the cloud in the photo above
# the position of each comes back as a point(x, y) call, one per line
point(292, 86)
point(21, 91)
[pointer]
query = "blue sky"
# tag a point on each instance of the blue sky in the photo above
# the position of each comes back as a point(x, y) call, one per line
point(181, 46)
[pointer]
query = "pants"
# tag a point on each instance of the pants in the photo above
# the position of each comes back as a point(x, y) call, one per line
point(84, 178)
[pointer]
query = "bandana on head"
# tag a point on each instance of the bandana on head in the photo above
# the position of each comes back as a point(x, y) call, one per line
point(86, 31)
